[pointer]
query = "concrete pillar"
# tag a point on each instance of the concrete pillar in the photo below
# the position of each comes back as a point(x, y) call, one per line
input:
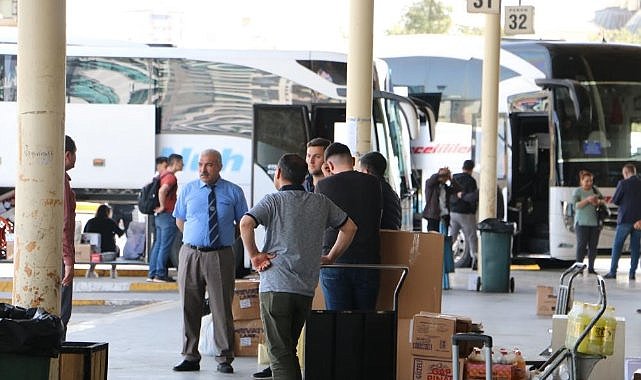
point(39, 183)
point(489, 117)
point(359, 74)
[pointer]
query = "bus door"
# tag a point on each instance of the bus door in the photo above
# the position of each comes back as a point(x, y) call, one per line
point(529, 182)
point(278, 129)
point(324, 119)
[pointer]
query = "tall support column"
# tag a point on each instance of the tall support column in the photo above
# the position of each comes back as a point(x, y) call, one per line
point(489, 121)
point(489, 117)
point(39, 183)
point(359, 74)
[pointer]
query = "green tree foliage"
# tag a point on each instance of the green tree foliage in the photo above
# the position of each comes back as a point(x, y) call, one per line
point(424, 16)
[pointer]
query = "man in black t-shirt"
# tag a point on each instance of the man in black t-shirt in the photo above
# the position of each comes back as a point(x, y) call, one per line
point(360, 196)
point(375, 164)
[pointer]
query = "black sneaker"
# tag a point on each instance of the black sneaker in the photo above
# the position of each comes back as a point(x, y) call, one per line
point(264, 374)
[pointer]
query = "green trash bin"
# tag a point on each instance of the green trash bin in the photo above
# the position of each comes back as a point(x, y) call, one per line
point(24, 367)
point(496, 243)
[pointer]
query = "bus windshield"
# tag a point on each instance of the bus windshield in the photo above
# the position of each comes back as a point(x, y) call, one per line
point(608, 130)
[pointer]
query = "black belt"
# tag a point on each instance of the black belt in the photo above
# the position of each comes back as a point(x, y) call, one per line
point(206, 249)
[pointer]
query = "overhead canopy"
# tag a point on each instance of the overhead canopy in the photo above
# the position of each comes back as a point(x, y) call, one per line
point(612, 17)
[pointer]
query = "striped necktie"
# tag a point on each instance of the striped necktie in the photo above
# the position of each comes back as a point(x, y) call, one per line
point(213, 218)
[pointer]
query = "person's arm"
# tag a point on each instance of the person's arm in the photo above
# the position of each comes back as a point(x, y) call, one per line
point(162, 197)
point(637, 225)
point(618, 194)
point(261, 261)
point(578, 202)
point(345, 236)
point(117, 230)
point(180, 224)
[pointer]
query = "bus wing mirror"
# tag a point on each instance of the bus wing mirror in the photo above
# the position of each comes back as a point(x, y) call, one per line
point(407, 107)
point(579, 95)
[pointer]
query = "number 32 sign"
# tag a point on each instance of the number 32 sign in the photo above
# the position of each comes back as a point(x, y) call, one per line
point(519, 20)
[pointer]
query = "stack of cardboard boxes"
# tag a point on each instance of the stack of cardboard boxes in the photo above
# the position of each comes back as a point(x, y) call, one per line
point(431, 344)
point(248, 328)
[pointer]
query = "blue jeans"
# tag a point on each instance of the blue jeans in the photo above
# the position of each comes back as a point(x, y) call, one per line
point(622, 232)
point(165, 234)
point(350, 289)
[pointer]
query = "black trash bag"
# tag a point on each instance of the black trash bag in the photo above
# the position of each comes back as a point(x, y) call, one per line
point(14, 312)
point(496, 225)
point(38, 333)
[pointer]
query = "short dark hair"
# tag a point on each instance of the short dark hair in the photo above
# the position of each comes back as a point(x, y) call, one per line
point(468, 165)
point(161, 159)
point(293, 168)
point(375, 163)
point(319, 141)
point(70, 145)
point(174, 158)
point(337, 149)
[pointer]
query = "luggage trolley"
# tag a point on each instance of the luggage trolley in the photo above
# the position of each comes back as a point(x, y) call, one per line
point(579, 365)
point(471, 337)
point(353, 344)
point(564, 295)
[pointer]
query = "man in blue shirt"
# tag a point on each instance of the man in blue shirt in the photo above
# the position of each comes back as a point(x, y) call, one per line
point(626, 196)
point(207, 212)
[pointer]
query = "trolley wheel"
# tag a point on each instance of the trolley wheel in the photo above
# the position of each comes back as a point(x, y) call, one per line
point(511, 284)
point(478, 283)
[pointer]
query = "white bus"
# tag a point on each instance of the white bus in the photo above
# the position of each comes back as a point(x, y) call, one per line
point(128, 104)
point(590, 88)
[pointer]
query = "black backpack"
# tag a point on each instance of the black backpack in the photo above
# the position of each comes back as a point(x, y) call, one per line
point(148, 197)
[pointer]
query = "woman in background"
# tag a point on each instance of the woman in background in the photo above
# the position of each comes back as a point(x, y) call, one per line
point(586, 198)
point(106, 227)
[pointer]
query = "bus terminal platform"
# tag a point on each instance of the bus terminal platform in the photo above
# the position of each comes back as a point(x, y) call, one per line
point(142, 321)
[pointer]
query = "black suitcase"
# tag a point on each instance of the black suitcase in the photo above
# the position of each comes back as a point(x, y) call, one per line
point(353, 345)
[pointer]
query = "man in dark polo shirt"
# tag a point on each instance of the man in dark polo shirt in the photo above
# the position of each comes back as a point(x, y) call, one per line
point(360, 196)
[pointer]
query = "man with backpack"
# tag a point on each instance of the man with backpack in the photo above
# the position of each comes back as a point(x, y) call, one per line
point(166, 228)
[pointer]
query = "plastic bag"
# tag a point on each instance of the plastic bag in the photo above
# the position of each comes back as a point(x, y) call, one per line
point(206, 344)
point(29, 331)
point(496, 225)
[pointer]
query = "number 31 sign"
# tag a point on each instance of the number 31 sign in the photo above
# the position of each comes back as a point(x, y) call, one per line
point(519, 20)
point(484, 6)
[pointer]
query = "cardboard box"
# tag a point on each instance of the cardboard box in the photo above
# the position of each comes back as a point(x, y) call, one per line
point(545, 300)
point(91, 238)
point(423, 254)
point(83, 253)
point(247, 335)
point(424, 368)
point(476, 371)
point(403, 356)
point(9, 250)
point(421, 291)
point(431, 334)
point(246, 304)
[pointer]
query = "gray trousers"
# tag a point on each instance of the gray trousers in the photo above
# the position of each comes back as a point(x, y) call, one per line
point(467, 223)
point(283, 316)
point(212, 271)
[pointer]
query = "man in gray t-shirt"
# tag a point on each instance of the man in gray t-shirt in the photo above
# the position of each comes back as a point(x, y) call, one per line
point(289, 263)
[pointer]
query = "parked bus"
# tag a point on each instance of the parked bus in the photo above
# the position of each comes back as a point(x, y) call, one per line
point(129, 103)
point(563, 107)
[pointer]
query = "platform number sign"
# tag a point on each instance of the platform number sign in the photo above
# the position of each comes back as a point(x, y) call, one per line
point(519, 20)
point(484, 6)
